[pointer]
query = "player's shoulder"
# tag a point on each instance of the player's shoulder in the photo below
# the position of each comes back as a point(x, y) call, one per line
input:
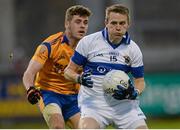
point(47, 44)
point(133, 45)
point(88, 41)
point(52, 39)
point(134, 48)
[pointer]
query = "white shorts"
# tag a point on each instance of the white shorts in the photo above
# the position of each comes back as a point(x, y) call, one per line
point(125, 114)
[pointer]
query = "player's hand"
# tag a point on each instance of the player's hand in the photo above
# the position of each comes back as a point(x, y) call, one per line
point(131, 91)
point(33, 95)
point(120, 93)
point(85, 79)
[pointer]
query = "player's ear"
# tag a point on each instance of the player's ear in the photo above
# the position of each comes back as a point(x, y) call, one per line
point(129, 23)
point(66, 23)
point(128, 26)
point(106, 22)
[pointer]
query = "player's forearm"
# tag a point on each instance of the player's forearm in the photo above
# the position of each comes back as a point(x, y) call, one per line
point(33, 68)
point(28, 79)
point(140, 84)
point(71, 75)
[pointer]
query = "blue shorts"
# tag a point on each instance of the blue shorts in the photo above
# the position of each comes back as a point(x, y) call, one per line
point(67, 103)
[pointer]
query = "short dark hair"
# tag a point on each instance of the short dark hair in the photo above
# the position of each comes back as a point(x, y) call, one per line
point(77, 10)
point(117, 8)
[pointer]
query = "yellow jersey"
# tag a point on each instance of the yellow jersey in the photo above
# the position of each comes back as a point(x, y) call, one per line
point(54, 57)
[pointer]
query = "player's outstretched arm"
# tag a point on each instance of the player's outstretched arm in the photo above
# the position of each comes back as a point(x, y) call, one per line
point(71, 74)
point(33, 94)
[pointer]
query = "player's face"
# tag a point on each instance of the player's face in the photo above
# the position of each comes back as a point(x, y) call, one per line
point(117, 26)
point(78, 26)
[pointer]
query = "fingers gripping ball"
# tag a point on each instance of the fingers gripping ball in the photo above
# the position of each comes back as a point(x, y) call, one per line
point(131, 91)
point(115, 83)
point(33, 95)
point(120, 93)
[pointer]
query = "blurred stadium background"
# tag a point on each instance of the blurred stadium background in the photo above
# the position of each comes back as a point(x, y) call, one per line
point(155, 27)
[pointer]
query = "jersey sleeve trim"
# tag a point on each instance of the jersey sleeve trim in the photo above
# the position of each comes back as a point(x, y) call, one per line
point(138, 72)
point(79, 59)
point(48, 47)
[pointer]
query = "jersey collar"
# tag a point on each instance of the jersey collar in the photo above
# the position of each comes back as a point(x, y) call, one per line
point(65, 40)
point(125, 40)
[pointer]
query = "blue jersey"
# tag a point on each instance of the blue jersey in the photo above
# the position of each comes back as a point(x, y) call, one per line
point(97, 53)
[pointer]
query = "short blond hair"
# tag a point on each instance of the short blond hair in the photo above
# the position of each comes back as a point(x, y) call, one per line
point(117, 8)
point(77, 10)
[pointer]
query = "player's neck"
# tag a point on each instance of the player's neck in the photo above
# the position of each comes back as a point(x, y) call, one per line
point(115, 41)
point(72, 41)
